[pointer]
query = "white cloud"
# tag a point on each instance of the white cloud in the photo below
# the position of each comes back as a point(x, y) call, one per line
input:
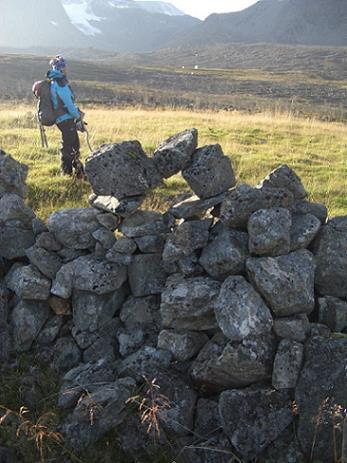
point(203, 8)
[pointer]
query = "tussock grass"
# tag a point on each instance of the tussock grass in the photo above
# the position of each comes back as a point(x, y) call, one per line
point(256, 144)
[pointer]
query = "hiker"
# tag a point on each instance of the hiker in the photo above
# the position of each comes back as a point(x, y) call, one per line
point(69, 118)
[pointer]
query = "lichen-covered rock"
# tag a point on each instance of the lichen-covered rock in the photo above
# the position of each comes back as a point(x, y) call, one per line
point(207, 419)
point(105, 237)
point(92, 311)
point(178, 418)
point(331, 258)
point(287, 364)
point(194, 207)
point(16, 232)
point(28, 283)
point(182, 345)
point(121, 170)
point(146, 275)
point(4, 327)
point(66, 354)
point(210, 172)
point(108, 405)
point(47, 240)
point(320, 211)
point(50, 331)
point(240, 310)
point(241, 202)
point(304, 229)
point(223, 365)
point(74, 228)
point(146, 362)
point(333, 313)
point(253, 418)
point(144, 223)
point(82, 379)
point(296, 328)
point(124, 207)
point(322, 386)
point(13, 175)
point(269, 232)
point(141, 312)
point(27, 319)
point(225, 254)
point(124, 245)
point(185, 239)
point(109, 221)
point(188, 304)
point(150, 244)
point(88, 274)
point(285, 177)
point(285, 282)
point(174, 154)
point(47, 262)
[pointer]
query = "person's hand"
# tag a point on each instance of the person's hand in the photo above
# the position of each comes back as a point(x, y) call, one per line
point(80, 125)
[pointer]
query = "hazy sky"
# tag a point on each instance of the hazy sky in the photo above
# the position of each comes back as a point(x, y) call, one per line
point(202, 8)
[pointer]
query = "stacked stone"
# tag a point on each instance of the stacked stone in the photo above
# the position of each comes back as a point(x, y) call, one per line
point(218, 299)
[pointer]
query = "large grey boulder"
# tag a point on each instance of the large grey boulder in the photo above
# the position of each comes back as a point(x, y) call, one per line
point(223, 365)
point(194, 207)
point(321, 388)
point(121, 170)
point(333, 313)
point(285, 282)
point(285, 177)
point(124, 207)
point(185, 239)
point(240, 310)
point(146, 362)
point(74, 228)
point(108, 406)
point(269, 232)
point(66, 355)
point(88, 274)
point(296, 328)
point(28, 283)
point(225, 254)
point(174, 154)
point(287, 364)
point(27, 320)
point(146, 275)
point(144, 223)
point(86, 378)
point(240, 203)
point(13, 208)
point(210, 172)
point(304, 229)
point(13, 175)
point(331, 258)
point(253, 418)
point(92, 311)
point(47, 262)
point(188, 304)
point(183, 345)
point(5, 340)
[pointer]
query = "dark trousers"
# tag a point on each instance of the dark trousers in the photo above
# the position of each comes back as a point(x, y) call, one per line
point(70, 147)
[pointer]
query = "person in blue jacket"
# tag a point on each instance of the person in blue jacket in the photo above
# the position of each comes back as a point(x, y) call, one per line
point(69, 117)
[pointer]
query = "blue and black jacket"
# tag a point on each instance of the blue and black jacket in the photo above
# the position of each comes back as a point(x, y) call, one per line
point(62, 96)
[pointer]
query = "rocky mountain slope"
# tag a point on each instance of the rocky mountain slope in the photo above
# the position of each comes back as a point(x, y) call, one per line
point(310, 22)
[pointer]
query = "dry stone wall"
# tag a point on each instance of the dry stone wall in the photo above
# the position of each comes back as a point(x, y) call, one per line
point(229, 299)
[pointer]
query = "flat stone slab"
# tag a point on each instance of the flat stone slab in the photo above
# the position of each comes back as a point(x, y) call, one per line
point(210, 172)
point(120, 207)
point(285, 282)
point(143, 223)
point(194, 207)
point(121, 170)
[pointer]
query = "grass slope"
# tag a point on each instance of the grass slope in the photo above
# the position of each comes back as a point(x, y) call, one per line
point(255, 143)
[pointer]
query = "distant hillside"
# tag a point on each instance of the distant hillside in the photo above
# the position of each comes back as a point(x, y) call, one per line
point(310, 22)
